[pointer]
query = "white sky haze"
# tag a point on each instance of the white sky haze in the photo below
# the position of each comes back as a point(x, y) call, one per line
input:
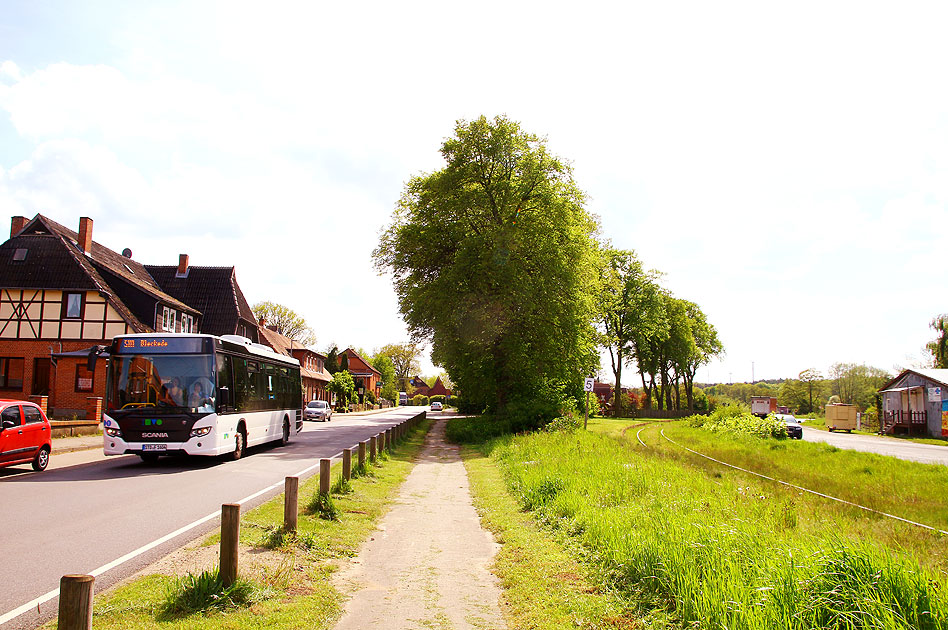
point(784, 165)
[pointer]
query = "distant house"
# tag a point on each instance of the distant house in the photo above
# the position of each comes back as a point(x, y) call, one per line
point(916, 401)
point(312, 364)
point(212, 290)
point(366, 377)
point(438, 389)
point(418, 386)
point(61, 292)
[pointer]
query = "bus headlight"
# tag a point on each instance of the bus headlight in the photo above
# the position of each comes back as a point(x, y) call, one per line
point(200, 432)
point(113, 432)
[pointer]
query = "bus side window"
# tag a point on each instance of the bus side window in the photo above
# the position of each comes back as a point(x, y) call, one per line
point(225, 380)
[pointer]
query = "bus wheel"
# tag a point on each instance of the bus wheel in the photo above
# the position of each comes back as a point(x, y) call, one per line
point(240, 441)
point(286, 432)
point(149, 458)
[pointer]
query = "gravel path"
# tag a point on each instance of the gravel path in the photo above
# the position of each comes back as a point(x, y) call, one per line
point(426, 564)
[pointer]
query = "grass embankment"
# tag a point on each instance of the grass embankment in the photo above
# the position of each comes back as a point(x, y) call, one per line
point(670, 541)
point(290, 591)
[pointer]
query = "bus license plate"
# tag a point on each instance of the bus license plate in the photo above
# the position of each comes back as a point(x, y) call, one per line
point(154, 447)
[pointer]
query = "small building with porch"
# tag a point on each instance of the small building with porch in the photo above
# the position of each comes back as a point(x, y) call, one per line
point(916, 402)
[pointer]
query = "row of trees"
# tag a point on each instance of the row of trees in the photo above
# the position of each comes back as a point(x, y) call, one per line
point(495, 260)
point(667, 337)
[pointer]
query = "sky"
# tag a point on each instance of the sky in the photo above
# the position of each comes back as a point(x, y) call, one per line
point(784, 165)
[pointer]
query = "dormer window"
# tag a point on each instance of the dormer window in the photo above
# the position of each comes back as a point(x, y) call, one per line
point(168, 319)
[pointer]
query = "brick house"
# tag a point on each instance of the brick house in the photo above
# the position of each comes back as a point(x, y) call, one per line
point(61, 292)
point(366, 377)
point(418, 387)
point(438, 389)
point(312, 364)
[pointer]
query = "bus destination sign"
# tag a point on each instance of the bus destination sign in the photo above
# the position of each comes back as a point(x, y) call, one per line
point(159, 345)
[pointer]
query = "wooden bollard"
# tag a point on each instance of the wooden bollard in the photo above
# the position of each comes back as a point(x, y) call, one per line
point(381, 442)
point(324, 465)
point(291, 502)
point(362, 448)
point(75, 602)
point(230, 536)
point(347, 464)
point(373, 446)
point(388, 439)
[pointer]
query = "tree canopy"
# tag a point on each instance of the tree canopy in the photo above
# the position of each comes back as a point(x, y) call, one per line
point(404, 358)
point(494, 260)
point(939, 346)
point(383, 363)
point(286, 322)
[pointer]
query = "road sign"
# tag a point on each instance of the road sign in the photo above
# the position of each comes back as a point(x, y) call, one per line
point(588, 384)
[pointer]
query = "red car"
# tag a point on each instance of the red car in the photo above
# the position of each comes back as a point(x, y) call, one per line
point(24, 434)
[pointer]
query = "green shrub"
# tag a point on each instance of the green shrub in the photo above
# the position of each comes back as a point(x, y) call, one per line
point(437, 398)
point(419, 400)
point(733, 419)
point(564, 423)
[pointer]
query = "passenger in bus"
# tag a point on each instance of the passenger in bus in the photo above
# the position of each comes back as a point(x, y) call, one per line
point(176, 393)
point(197, 395)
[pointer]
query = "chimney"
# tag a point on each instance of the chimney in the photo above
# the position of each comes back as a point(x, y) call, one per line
point(85, 235)
point(16, 225)
point(263, 322)
point(182, 266)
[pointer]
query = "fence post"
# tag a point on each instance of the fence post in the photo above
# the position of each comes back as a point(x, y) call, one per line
point(324, 465)
point(381, 442)
point(362, 446)
point(347, 464)
point(75, 602)
point(388, 439)
point(291, 495)
point(230, 536)
point(373, 445)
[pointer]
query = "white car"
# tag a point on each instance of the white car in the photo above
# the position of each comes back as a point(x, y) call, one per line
point(317, 410)
point(436, 406)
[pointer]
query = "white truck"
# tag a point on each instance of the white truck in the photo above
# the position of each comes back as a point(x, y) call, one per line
point(763, 405)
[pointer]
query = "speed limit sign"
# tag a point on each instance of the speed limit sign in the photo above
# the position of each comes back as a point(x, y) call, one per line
point(588, 384)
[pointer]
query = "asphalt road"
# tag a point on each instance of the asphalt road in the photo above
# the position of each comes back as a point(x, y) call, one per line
point(86, 515)
point(903, 449)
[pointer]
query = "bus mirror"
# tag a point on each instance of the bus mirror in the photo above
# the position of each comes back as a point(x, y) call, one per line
point(225, 396)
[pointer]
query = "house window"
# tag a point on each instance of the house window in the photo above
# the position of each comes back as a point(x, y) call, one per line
point(11, 373)
point(167, 320)
point(72, 305)
point(84, 379)
point(187, 323)
point(20, 255)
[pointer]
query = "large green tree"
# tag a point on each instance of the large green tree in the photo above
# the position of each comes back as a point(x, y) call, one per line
point(628, 308)
point(404, 358)
point(383, 364)
point(494, 260)
point(286, 322)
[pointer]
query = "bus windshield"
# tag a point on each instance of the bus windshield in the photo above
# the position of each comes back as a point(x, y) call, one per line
point(164, 381)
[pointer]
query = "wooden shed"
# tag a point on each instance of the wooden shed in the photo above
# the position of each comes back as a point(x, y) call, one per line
point(916, 402)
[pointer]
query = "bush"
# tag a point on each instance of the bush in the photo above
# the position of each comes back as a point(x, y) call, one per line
point(734, 419)
point(566, 424)
point(419, 400)
point(370, 397)
point(437, 398)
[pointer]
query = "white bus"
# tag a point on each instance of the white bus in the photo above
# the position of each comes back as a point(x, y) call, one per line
point(198, 395)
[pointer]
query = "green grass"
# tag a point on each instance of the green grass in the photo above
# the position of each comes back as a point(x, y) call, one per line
point(676, 539)
point(294, 593)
